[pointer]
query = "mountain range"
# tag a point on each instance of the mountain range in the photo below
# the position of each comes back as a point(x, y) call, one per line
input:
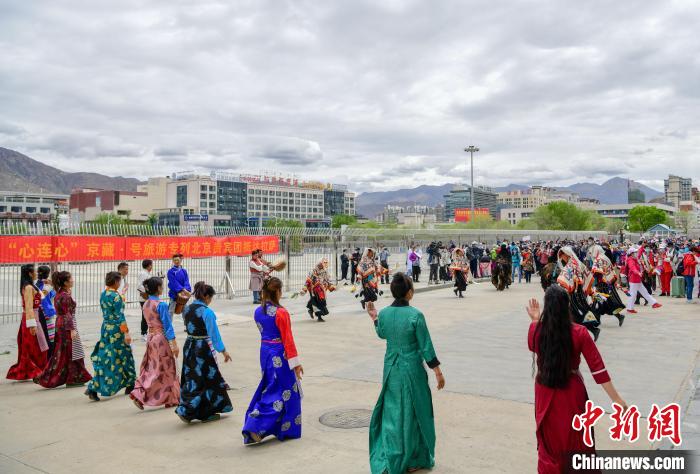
point(19, 172)
point(613, 191)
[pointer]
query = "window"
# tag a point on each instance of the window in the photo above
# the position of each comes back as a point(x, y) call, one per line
point(181, 196)
point(3, 208)
point(202, 196)
point(211, 188)
point(15, 209)
point(212, 197)
point(31, 209)
point(203, 187)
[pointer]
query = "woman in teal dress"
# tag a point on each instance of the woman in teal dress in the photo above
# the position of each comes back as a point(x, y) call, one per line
point(112, 359)
point(402, 430)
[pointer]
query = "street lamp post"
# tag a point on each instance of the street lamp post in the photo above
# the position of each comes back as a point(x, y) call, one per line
point(471, 149)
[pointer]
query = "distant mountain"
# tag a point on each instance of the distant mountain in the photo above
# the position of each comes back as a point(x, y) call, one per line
point(18, 172)
point(371, 204)
point(613, 191)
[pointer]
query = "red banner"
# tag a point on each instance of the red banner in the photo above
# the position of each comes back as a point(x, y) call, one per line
point(30, 249)
point(464, 214)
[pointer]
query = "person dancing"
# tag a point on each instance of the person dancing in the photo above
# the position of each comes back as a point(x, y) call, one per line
point(578, 283)
point(633, 270)
point(66, 365)
point(32, 346)
point(460, 270)
point(275, 409)
point(317, 283)
point(368, 273)
point(560, 393)
point(157, 383)
point(607, 301)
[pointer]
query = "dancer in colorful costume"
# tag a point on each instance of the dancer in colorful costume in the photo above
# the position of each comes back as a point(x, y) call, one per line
point(318, 282)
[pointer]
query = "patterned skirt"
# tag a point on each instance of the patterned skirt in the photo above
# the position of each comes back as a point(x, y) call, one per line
point(62, 369)
point(275, 409)
point(112, 361)
point(202, 388)
point(157, 383)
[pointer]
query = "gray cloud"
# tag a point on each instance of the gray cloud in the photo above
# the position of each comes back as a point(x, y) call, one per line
point(381, 94)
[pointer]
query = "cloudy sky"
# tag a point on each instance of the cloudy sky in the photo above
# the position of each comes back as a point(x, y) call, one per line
point(379, 94)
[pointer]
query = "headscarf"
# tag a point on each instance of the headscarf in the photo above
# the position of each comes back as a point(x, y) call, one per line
point(573, 274)
point(366, 262)
point(319, 274)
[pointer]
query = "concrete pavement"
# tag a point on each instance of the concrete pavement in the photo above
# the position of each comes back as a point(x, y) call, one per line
point(484, 417)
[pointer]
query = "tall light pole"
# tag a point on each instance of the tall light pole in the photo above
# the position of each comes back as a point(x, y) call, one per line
point(471, 149)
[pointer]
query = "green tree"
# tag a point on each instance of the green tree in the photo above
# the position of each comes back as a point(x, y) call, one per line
point(342, 219)
point(641, 218)
point(152, 219)
point(561, 215)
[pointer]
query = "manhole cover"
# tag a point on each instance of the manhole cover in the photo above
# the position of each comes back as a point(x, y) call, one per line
point(347, 419)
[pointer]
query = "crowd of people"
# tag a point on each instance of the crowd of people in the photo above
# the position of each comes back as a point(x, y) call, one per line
point(581, 282)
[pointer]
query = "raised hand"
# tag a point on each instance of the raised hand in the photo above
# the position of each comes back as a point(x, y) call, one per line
point(533, 309)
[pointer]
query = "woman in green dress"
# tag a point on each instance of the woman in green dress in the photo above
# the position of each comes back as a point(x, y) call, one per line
point(402, 430)
point(112, 359)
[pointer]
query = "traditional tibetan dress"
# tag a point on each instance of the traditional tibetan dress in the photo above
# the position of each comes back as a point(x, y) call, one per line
point(112, 359)
point(402, 429)
point(31, 350)
point(275, 409)
point(66, 365)
point(556, 407)
point(157, 383)
point(202, 388)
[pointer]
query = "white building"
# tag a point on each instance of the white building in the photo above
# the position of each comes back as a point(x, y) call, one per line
point(31, 208)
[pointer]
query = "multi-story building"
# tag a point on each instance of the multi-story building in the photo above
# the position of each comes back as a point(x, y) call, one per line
point(31, 208)
point(87, 204)
point(460, 197)
point(534, 197)
point(677, 190)
point(612, 211)
point(250, 199)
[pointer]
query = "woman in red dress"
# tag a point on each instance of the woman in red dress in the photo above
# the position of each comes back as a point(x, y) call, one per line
point(66, 365)
point(560, 394)
point(31, 343)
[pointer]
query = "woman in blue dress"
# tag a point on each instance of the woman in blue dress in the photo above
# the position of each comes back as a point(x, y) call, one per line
point(276, 406)
point(203, 393)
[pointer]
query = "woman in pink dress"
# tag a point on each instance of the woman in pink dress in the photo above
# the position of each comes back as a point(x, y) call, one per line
point(157, 383)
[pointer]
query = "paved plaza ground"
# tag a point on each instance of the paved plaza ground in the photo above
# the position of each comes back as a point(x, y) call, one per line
point(484, 418)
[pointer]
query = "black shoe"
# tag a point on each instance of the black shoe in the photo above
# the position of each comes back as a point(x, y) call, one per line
point(456, 291)
point(620, 319)
point(320, 319)
point(214, 417)
point(92, 395)
point(311, 314)
point(129, 389)
point(596, 333)
point(363, 304)
point(461, 295)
